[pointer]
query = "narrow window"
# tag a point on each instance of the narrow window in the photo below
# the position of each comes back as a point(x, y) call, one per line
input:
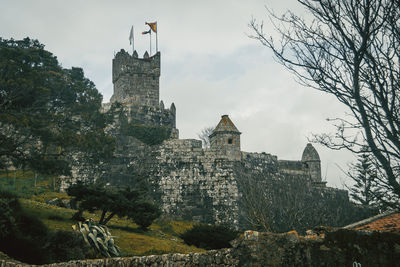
point(230, 141)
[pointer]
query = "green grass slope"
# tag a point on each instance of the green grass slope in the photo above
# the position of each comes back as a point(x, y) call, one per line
point(162, 236)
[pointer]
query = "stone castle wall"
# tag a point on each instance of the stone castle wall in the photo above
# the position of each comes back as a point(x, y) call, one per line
point(218, 185)
point(289, 195)
point(195, 184)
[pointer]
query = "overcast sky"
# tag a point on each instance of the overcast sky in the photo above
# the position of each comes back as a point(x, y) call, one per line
point(209, 66)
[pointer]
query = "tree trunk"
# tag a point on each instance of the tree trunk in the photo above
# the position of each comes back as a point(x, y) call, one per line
point(108, 218)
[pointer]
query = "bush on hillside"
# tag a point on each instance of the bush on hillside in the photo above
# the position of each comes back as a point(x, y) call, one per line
point(135, 204)
point(64, 246)
point(25, 238)
point(7, 220)
point(145, 213)
point(148, 134)
point(209, 236)
point(11, 199)
point(20, 232)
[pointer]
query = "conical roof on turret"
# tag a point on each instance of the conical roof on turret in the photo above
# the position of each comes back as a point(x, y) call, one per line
point(225, 125)
point(310, 154)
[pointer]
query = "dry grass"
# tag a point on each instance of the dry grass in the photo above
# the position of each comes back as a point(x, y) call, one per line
point(162, 236)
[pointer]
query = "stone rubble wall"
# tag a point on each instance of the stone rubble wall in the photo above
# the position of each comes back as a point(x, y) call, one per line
point(259, 249)
point(210, 258)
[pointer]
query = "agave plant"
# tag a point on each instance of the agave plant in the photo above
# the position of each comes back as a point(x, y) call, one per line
point(98, 237)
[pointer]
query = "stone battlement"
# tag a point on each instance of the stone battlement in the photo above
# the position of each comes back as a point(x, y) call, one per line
point(136, 80)
point(136, 87)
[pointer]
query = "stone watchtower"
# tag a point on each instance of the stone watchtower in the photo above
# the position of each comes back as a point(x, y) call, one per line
point(136, 80)
point(311, 158)
point(136, 86)
point(226, 138)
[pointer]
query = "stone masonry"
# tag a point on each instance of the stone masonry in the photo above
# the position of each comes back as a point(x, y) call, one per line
point(330, 249)
point(136, 80)
point(213, 185)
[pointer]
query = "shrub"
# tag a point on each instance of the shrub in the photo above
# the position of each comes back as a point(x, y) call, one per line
point(25, 242)
point(29, 225)
point(150, 135)
point(132, 203)
point(11, 199)
point(64, 246)
point(7, 220)
point(25, 238)
point(209, 236)
point(145, 213)
point(9, 206)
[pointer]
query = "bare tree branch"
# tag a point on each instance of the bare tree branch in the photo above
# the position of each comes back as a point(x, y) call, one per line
point(350, 49)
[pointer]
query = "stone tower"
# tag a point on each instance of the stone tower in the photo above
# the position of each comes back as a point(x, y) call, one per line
point(136, 86)
point(311, 158)
point(136, 80)
point(226, 138)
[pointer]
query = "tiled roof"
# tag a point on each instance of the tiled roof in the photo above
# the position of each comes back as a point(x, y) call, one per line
point(390, 223)
point(386, 222)
point(225, 125)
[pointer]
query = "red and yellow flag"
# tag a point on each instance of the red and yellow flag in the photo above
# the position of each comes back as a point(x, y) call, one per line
point(153, 26)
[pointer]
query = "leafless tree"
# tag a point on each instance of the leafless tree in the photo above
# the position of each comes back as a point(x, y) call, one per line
point(350, 49)
point(256, 202)
point(275, 202)
point(204, 136)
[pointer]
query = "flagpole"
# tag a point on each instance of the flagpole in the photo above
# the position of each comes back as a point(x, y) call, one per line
point(150, 42)
point(156, 41)
point(133, 40)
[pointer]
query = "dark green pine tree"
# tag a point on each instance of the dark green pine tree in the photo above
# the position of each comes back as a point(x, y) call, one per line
point(47, 112)
point(123, 202)
point(364, 175)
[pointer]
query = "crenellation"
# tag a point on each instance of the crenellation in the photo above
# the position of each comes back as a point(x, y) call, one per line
point(293, 167)
point(136, 80)
point(172, 108)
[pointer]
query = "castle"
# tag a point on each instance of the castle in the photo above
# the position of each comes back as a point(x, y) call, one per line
point(221, 184)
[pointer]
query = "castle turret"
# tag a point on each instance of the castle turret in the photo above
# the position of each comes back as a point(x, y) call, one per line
point(136, 80)
point(226, 138)
point(311, 158)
